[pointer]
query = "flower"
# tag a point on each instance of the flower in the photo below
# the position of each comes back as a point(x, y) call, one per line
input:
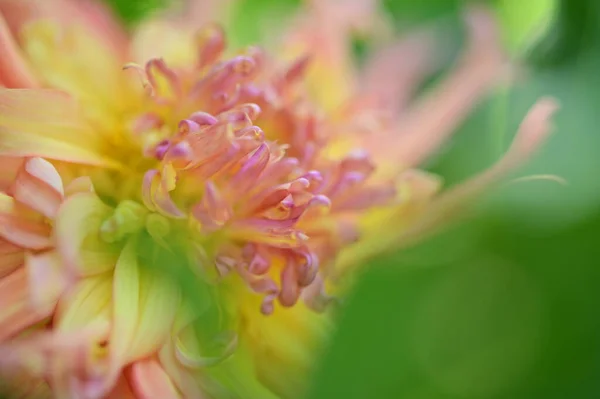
point(176, 226)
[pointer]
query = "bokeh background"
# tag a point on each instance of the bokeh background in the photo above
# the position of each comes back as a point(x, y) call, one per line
point(504, 304)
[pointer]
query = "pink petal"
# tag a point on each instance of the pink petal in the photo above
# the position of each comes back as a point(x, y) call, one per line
point(21, 226)
point(47, 280)
point(251, 169)
point(393, 73)
point(433, 119)
point(14, 72)
point(149, 380)
point(11, 257)
point(122, 390)
point(10, 168)
point(156, 195)
point(39, 186)
point(15, 312)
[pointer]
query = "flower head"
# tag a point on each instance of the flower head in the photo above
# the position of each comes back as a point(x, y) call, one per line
point(175, 222)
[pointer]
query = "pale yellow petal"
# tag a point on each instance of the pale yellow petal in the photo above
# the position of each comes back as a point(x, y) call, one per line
point(159, 300)
point(69, 58)
point(126, 304)
point(48, 124)
point(77, 229)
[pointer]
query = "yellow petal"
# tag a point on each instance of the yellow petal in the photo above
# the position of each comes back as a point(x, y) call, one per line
point(126, 296)
point(165, 40)
point(159, 300)
point(48, 124)
point(84, 309)
point(69, 58)
point(87, 302)
point(77, 225)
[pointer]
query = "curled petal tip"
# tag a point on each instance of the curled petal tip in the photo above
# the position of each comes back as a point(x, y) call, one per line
point(535, 127)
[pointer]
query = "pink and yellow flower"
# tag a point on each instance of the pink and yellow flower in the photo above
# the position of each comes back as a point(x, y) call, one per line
point(176, 226)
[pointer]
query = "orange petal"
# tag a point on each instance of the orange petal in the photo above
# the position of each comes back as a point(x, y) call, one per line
point(15, 312)
point(39, 186)
point(10, 168)
point(21, 226)
point(122, 390)
point(14, 72)
point(11, 257)
point(149, 380)
point(77, 225)
point(47, 123)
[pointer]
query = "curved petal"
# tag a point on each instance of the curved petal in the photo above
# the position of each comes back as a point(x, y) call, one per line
point(10, 167)
point(393, 73)
point(80, 369)
point(70, 59)
point(14, 71)
point(126, 298)
point(76, 228)
point(21, 226)
point(15, 312)
point(182, 378)
point(429, 123)
point(149, 380)
point(39, 186)
point(122, 390)
point(47, 123)
point(87, 301)
point(47, 280)
point(11, 257)
point(159, 300)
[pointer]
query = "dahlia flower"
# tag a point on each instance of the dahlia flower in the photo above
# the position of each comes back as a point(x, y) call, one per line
point(177, 217)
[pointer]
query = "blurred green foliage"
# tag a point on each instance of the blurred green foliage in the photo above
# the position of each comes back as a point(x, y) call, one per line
point(132, 11)
point(503, 305)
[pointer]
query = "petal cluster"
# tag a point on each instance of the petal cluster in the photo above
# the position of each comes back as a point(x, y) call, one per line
point(167, 224)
